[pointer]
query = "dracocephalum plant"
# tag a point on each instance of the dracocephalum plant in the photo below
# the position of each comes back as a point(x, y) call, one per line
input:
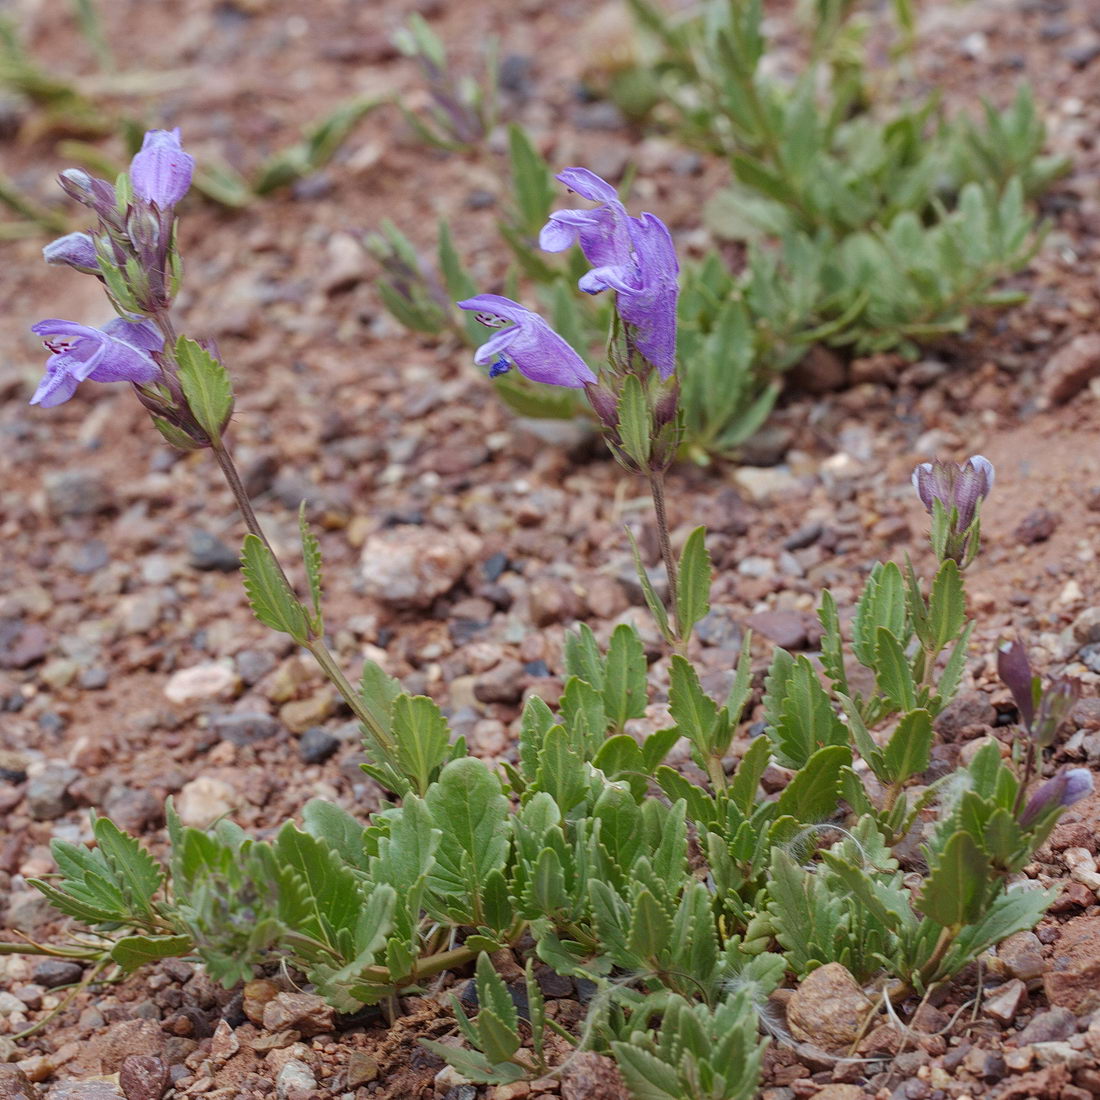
point(686, 904)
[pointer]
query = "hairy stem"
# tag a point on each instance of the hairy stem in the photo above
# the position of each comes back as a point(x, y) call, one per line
point(657, 489)
point(316, 646)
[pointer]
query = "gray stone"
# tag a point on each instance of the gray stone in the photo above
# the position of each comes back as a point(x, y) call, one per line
point(302, 1012)
point(254, 664)
point(15, 1085)
point(245, 729)
point(52, 973)
point(316, 745)
point(294, 1076)
point(48, 792)
point(208, 553)
point(1051, 1026)
point(77, 493)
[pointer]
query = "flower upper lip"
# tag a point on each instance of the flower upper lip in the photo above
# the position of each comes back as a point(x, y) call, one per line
point(529, 343)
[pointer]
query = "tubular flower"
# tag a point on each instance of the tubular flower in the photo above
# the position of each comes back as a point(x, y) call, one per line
point(527, 343)
point(117, 352)
point(634, 257)
point(73, 250)
point(161, 171)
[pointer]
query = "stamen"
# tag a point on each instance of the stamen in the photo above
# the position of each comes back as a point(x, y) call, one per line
point(499, 366)
point(491, 320)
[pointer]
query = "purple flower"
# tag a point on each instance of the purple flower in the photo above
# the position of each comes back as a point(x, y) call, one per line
point(118, 352)
point(634, 257)
point(528, 343)
point(73, 250)
point(161, 171)
point(955, 486)
point(1063, 790)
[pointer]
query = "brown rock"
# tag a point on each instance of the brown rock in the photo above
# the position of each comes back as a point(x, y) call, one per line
point(1071, 368)
point(788, 629)
point(840, 1092)
point(254, 999)
point(362, 1069)
point(130, 1037)
point(1049, 1027)
point(552, 600)
point(1037, 526)
point(409, 566)
point(1072, 979)
point(143, 1077)
point(589, 1075)
point(1022, 955)
point(301, 1012)
point(502, 684)
point(15, 1085)
point(1006, 1001)
point(828, 1009)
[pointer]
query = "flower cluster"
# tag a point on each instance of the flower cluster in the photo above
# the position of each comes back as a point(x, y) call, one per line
point(635, 258)
point(132, 252)
point(953, 495)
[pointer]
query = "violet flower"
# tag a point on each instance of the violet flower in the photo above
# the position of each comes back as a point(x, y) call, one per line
point(635, 257)
point(954, 486)
point(75, 250)
point(117, 352)
point(1063, 790)
point(1014, 669)
point(527, 343)
point(161, 171)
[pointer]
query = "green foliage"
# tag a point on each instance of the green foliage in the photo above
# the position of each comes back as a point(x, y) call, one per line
point(206, 387)
point(703, 896)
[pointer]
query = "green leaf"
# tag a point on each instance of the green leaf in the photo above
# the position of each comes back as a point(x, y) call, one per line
point(423, 739)
point(470, 810)
point(806, 719)
point(653, 601)
point(650, 928)
point(132, 952)
point(532, 182)
point(647, 1077)
point(175, 436)
point(741, 688)
point(693, 582)
point(832, 643)
point(206, 386)
point(882, 605)
point(892, 672)
point(582, 657)
point(746, 779)
point(311, 556)
point(812, 795)
point(693, 711)
point(139, 873)
point(947, 607)
point(624, 689)
point(908, 751)
point(657, 746)
point(955, 890)
point(333, 825)
point(271, 600)
point(635, 422)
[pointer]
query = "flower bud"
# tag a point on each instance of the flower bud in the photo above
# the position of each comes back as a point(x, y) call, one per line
point(76, 250)
point(1014, 669)
point(161, 171)
point(94, 193)
point(1063, 790)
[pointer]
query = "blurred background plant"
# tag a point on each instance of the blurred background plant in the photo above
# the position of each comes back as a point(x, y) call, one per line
point(868, 220)
point(858, 216)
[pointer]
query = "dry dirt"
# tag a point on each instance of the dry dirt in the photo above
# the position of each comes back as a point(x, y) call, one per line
point(106, 589)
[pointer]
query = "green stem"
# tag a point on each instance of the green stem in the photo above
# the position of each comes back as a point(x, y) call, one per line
point(943, 944)
point(657, 489)
point(316, 646)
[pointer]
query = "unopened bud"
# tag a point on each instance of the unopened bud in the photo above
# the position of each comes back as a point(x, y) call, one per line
point(604, 404)
point(1063, 790)
point(76, 250)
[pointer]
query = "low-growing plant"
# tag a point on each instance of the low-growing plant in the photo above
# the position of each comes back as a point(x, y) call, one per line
point(685, 903)
point(868, 225)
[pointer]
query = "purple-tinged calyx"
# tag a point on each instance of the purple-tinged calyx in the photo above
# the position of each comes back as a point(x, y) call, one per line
point(120, 351)
point(525, 341)
point(161, 172)
point(1063, 790)
point(635, 257)
point(960, 487)
point(76, 250)
point(1014, 669)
